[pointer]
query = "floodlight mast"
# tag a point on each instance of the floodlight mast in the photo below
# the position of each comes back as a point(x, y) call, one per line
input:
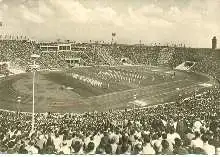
point(34, 69)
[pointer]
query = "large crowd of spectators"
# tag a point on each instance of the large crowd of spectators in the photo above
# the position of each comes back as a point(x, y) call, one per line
point(19, 52)
point(188, 126)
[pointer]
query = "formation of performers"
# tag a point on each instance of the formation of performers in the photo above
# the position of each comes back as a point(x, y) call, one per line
point(91, 81)
point(119, 76)
point(112, 77)
point(103, 78)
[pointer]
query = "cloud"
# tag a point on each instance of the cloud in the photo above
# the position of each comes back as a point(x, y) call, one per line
point(29, 15)
point(78, 13)
point(147, 17)
point(151, 10)
point(3, 8)
point(73, 10)
point(152, 20)
point(45, 10)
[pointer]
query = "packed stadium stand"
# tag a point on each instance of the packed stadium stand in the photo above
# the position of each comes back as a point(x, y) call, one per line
point(19, 51)
point(188, 126)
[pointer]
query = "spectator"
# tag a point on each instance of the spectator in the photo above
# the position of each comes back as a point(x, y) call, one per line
point(166, 148)
point(178, 148)
point(90, 149)
point(208, 149)
point(172, 135)
point(147, 147)
point(197, 142)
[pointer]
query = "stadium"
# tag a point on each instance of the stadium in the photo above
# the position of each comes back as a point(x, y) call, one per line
point(75, 90)
point(115, 91)
point(74, 80)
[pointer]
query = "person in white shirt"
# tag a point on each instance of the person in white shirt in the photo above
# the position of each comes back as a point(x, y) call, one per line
point(31, 148)
point(172, 135)
point(65, 149)
point(164, 137)
point(87, 140)
point(97, 139)
point(69, 141)
point(147, 147)
point(18, 133)
point(11, 132)
point(208, 149)
point(57, 142)
point(114, 145)
point(197, 142)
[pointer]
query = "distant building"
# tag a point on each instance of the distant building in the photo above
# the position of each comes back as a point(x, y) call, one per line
point(55, 47)
point(214, 42)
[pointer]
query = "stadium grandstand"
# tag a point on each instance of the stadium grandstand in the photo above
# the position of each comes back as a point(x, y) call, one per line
point(95, 98)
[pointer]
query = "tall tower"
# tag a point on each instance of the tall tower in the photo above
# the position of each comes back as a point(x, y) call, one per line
point(113, 38)
point(214, 42)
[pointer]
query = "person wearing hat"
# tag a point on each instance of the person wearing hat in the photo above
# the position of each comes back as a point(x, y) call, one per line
point(197, 125)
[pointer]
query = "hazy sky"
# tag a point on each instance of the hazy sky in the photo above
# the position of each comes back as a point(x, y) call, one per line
point(193, 22)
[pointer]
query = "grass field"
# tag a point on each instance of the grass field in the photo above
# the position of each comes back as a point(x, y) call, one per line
point(60, 92)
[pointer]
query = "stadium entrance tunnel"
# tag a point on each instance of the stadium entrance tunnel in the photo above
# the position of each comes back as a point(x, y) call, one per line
point(187, 65)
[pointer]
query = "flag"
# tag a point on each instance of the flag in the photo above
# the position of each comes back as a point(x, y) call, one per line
point(113, 34)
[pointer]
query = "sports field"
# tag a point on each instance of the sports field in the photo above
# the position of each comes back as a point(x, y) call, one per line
point(77, 90)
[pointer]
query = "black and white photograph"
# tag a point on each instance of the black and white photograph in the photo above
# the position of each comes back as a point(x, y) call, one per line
point(110, 77)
